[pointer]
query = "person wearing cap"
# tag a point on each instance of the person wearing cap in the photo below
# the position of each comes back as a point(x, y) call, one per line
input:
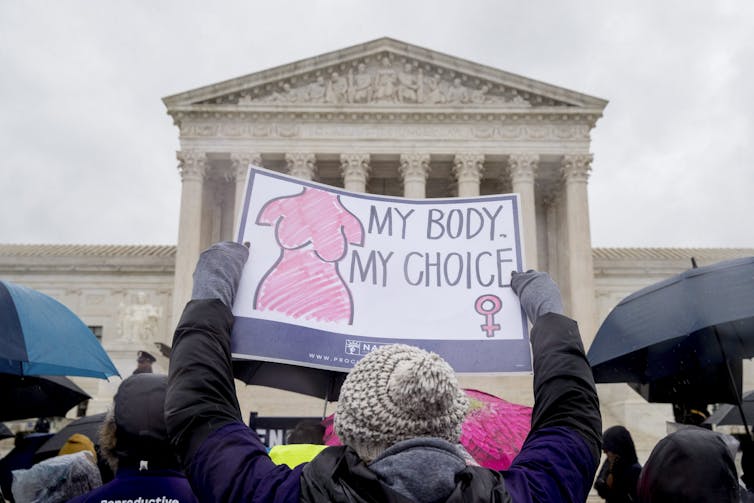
point(399, 414)
point(77, 443)
point(144, 363)
point(134, 442)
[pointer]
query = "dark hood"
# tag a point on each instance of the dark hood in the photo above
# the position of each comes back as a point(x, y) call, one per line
point(691, 465)
point(618, 440)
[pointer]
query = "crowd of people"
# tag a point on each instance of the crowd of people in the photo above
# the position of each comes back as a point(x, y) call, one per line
point(181, 437)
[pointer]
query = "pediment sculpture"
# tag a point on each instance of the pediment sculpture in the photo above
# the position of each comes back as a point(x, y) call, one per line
point(385, 81)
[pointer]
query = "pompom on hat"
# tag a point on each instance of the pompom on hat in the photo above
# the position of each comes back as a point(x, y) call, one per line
point(395, 393)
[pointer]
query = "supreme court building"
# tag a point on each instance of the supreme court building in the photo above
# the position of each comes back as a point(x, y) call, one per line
point(383, 117)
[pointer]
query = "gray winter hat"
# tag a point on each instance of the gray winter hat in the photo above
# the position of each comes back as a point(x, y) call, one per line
point(395, 393)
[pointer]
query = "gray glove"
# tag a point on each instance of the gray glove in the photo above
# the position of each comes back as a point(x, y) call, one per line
point(537, 292)
point(218, 272)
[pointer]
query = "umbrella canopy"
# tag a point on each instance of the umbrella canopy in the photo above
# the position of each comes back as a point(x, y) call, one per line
point(308, 381)
point(35, 330)
point(87, 425)
point(24, 397)
point(493, 432)
point(728, 415)
point(494, 429)
point(672, 328)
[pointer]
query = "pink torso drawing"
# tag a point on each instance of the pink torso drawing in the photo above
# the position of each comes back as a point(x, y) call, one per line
point(313, 230)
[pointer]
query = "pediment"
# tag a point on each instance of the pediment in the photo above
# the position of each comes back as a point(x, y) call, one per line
point(382, 73)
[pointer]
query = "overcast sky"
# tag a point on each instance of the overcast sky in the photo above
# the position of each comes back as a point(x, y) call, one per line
point(87, 152)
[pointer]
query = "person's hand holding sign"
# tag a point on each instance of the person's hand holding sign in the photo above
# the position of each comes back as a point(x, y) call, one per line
point(218, 272)
point(537, 292)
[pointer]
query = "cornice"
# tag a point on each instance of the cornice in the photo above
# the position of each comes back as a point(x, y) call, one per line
point(406, 113)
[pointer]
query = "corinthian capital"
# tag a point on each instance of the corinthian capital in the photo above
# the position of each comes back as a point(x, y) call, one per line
point(192, 165)
point(414, 166)
point(301, 165)
point(355, 166)
point(240, 162)
point(523, 167)
point(468, 166)
point(576, 167)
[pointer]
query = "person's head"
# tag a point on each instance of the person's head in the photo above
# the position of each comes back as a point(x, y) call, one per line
point(144, 362)
point(42, 425)
point(691, 465)
point(306, 431)
point(78, 443)
point(396, 393)
point(134, 429)
point(57, 479)
point(617, 443)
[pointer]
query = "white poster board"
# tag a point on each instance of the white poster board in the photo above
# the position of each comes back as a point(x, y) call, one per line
point(333, 274)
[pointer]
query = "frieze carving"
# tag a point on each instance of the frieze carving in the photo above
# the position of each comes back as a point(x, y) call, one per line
point(386, 80)
point(399, 130)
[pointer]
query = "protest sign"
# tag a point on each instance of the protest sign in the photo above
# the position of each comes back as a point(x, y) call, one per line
point(334, 274)
point(274, 430)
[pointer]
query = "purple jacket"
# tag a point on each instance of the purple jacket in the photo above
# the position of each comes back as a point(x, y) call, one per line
point(147, 486)
point(226, 462)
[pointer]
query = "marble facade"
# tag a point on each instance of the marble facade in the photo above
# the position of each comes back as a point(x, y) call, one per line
point(391, 118)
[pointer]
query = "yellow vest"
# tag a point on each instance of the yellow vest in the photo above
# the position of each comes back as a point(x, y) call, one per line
point(294, 454)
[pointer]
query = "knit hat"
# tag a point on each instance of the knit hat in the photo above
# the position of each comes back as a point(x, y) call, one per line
point(76, 443)
point(395, 393)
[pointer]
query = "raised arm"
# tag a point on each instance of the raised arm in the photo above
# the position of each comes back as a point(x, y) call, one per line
point(223, 458)
point(563, 447)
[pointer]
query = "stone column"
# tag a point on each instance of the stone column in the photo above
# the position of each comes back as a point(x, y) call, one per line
point(192, 167)
point(414, 170)
point(301, 165)
point(239, 171)
point(522, 169)
point(578, 256)
point(355, 169)
point(468, 168)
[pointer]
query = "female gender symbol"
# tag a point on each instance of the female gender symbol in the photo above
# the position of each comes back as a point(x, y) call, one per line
point(488, 306)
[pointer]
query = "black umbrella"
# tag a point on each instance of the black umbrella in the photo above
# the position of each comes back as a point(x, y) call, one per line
point(678, 329)
point(308, 381)
point(5, 432)
point(24, 397)
point(727, 415)
point(87, 425)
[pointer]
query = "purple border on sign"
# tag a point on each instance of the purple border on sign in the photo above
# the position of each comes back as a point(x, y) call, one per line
point(336, 351)
point(288, 343)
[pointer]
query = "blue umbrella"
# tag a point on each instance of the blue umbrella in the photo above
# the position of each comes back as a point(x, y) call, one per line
point(40, 336)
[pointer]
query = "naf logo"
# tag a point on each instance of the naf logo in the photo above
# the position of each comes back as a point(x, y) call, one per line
point(360, 348)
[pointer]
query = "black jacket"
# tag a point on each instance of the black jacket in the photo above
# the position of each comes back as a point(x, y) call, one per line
point(226, 462)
